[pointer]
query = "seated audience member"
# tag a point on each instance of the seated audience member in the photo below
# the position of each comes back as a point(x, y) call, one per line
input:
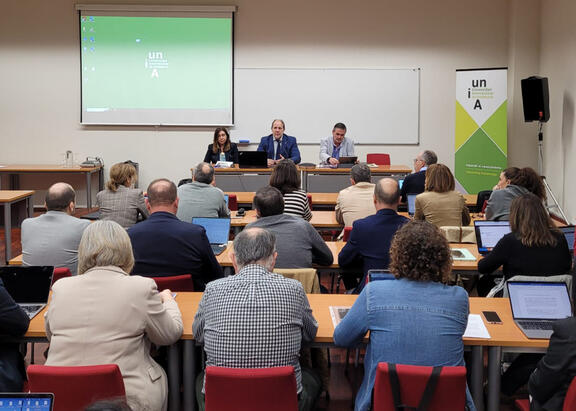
point(356, 201)
point(404, 315)
point(53, 238)
point(200, 198)
point(286, 178)
point(525, 180)
point(371, 237)
point(440, 204)
point(336, 146)
point(534, 247)
point(116, 316)
point(279, 146)
point(222, 149)
point(298, 243)
point(120, 202)
point(164, 246)
point(414, 183)
point(256, 319)
point(13, 323)
point(554, 373)
point(505, 177)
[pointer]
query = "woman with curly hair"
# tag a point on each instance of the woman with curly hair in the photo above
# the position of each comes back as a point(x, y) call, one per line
point(416, 319)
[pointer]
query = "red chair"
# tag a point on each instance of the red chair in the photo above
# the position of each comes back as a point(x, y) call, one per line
point(378, 158)
point(309, 196)
point(175, 283)
point(569, 401)
point(449, 394)
point(75, 388)
point(60, 272)
point(232, 202)
point(346, 235)
point(251, 389)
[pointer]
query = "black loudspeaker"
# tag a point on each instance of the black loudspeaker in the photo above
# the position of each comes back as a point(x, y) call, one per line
point(535, 99)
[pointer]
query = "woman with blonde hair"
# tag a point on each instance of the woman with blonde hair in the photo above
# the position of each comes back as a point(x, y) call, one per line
point(106, 316)
point(440, 204)
point(121, 202)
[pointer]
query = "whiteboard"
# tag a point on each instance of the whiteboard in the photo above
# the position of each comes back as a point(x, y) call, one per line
point(378, 106)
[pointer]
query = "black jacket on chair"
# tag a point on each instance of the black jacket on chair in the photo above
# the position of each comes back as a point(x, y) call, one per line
point(413, 184)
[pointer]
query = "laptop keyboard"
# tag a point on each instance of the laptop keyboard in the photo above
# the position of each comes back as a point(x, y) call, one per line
point(31, 309)
point(536, 325)
point(217, 248)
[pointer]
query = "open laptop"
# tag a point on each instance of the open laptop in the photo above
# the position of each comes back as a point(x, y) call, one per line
point(400, 182)
point(488, 233)
point(536, 305)
point(569, 234)
point(28, 286)
point(252, 159)
point(411, 200)
point(26, 401)
point(217, 230)
point(347, 162)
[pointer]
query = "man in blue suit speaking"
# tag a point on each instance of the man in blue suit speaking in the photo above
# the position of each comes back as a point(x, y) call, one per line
point(279, 145)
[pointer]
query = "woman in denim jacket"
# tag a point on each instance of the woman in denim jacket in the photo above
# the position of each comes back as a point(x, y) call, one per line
point(415, 319)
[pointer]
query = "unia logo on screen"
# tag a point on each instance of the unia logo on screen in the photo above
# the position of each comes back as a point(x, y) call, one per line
point(155, 60)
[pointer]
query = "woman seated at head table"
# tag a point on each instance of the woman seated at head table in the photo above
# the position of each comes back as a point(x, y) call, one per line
point(533, 247)
point(516, 182)
point(439, 204)
point(120, 202)
point(222, 149)
point(286, 178)
point(421, 262)
point(106, 316)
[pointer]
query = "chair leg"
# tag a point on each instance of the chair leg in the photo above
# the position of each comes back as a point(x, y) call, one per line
point(31, 353)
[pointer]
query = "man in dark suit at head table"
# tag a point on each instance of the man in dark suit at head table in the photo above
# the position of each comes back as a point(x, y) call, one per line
point(414, 183)
point(279, 145)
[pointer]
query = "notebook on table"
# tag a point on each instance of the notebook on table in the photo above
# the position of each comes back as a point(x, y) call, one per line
point(28, 286)
point(488, 233)
point(536, 305)
point(26, 401)
point(217, 231)
point(252, 159)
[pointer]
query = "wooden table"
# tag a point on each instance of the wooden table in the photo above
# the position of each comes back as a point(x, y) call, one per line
point(15, 169)
point(335, 179)
point(7, 199)
point(320, 219)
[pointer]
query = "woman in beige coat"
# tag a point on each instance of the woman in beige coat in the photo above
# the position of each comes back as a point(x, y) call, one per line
point(105, 316)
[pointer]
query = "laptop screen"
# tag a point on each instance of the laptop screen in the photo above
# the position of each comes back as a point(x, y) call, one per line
point(569, 234)
point(400, 182)
point(27, 285)
point(226, 198)
point(217, 229)
point(539, 300)
point(26, 402)
point(488, 233)
point(411, 198)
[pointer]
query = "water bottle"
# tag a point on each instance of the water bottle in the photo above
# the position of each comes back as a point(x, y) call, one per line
point(222, 156)
point(69, 159)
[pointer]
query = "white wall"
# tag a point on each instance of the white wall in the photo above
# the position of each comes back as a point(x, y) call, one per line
point(39, 71)
point(558, 63)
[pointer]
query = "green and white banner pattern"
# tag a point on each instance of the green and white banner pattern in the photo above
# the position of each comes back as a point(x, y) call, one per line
point(481, 128)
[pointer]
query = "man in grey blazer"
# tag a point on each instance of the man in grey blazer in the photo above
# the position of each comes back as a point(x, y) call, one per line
point(53, 238)
point(336, 146)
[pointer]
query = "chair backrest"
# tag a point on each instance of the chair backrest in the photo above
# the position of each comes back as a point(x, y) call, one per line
point(184, 181)
point(175, 283)
point(450, 393)
point(347, 231)
point(251, 389)
point(309, 196)
point(456, 234)
point(232, 202)
point(61, 272)
point(75, 388)
point(570, 399)
point(306, 276)
point(482, 200)
point(378, 158)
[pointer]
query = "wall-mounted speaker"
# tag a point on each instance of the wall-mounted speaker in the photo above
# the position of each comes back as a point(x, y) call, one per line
point(535, 99)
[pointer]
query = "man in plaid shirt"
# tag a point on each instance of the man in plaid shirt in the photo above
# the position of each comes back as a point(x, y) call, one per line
point(256, 319)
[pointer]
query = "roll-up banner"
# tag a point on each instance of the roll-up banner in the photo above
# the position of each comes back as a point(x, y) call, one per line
point(481, 139)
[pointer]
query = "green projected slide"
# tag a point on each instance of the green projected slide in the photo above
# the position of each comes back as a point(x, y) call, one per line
point(156, 70)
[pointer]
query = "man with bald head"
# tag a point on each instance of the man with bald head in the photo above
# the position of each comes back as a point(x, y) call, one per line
point(200, 198)
point(165, 246)
point(53, 238)
point(370, 239)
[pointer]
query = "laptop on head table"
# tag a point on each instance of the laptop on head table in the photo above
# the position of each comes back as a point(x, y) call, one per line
point(536, 305)
point(28, 286)
point(217, 230)
point(488, 233)
point(24, 401)
point(347, 161)
point(252, 159)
